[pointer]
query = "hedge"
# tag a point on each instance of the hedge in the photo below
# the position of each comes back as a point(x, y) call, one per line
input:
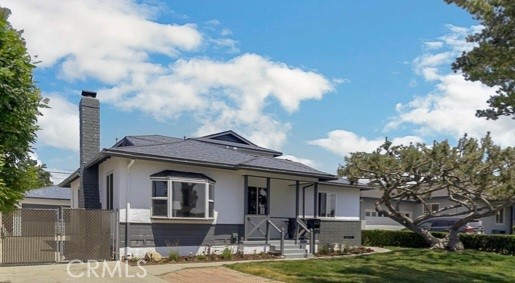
point(503, 244)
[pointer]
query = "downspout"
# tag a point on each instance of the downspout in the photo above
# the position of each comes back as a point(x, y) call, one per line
point(127, 206)
point(512, 212)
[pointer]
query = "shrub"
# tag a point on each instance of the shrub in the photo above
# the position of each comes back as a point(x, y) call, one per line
point(406, 239)
point(173, 256)
point(503, 244)
point(226, 254)
point(323, 249)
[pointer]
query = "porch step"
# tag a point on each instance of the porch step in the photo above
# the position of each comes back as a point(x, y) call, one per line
point(291, 250)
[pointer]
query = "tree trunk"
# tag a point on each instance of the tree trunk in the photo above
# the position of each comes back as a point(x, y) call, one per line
point(433, 242)
point(453, 242)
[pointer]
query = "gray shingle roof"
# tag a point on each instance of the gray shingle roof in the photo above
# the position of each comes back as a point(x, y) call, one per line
point(376, 193)
point(50, 192)
point(148, 140)
point(239, 145)
point(188, 150)
point(200, 151)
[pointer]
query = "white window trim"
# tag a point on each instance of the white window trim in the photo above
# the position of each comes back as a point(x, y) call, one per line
point(335, 204)
point(498, 215)
point(169, 199)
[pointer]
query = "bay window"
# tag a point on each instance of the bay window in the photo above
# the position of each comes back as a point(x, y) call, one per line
point(175, 197)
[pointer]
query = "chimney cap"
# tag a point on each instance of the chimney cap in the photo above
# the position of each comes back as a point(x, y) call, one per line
point(87, 93)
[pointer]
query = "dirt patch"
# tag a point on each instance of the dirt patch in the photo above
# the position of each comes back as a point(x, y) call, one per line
point(213, 274)
point(207, 258)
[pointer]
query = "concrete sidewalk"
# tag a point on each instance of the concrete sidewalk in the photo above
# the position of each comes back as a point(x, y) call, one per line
point(121, 272)
point(114, 271)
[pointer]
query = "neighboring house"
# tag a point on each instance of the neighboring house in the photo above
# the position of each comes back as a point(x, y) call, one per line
point(193, 194)
point(498, 224)
point(50, 197)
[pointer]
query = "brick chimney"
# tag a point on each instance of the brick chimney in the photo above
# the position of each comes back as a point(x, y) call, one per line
point(89, 111)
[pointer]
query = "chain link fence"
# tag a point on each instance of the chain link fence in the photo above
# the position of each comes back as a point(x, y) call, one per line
point(34, 236)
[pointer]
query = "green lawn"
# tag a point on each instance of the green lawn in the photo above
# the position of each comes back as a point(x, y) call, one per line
point(400, 265)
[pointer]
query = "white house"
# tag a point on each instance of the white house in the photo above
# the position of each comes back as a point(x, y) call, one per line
point(198, 194)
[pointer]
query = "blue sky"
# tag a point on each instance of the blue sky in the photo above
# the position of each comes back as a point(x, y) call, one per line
point(313, 79)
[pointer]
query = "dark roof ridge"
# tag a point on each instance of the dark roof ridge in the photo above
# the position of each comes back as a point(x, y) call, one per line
point(242, 146)
point(232, 133)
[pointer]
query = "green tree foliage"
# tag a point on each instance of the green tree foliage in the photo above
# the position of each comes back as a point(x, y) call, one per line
point(477, 177)
point(19, 102)
point(492, 60)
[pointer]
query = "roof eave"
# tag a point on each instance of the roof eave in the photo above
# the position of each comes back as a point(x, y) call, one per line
point(321, 177)
point(66, 183)
point(360, 187)
point(109, 152)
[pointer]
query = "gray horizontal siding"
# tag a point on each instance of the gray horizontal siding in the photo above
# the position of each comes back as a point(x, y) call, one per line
point(168, 234)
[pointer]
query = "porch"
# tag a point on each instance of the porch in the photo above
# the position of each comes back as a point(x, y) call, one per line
point(276, 212)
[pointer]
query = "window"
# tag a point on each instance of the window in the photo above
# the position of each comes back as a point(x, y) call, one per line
point(327, 204)
point(433, 206)
point(109, 191)
point(160, 198)
point(499, 217)
point(176, 198)
point(257, 201)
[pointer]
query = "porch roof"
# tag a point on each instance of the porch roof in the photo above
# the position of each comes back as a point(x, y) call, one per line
point(180, 174)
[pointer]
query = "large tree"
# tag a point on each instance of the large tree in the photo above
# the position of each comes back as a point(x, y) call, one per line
point(492, 60)
point(19, 102)
point(477, 176)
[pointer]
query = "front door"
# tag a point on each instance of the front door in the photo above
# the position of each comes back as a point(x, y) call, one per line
point(257, 201)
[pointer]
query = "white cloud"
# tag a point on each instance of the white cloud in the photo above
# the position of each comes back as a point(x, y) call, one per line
point(433, 44)
point(105, 40)
point(343, 142)
point(305, 161)
point(224, 94)
point(114, 43)
point(450, 108)
point(59, 124)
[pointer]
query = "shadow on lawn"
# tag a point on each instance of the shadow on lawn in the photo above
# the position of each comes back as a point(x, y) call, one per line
point(400, 265)
point(426, 266)
point(387, 273)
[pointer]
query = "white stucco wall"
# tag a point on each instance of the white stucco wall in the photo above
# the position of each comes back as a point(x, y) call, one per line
point(489, 223)
point(134, 186)
point(347, 201)
point(228, 188)
point(74, 187)
point(386, 223)
point(282, 198)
